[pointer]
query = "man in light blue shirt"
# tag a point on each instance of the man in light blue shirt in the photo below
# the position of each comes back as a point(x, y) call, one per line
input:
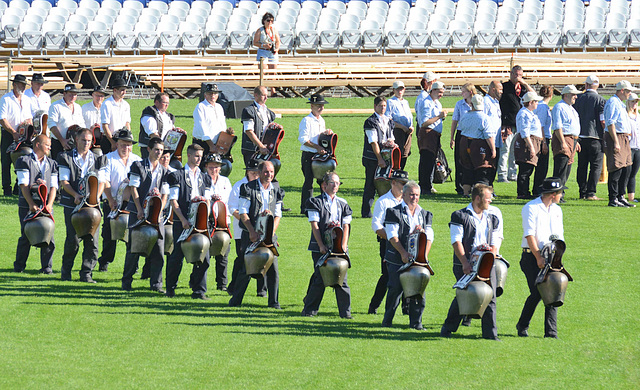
point(399, 110)
point(565, 124)
point(429, 132)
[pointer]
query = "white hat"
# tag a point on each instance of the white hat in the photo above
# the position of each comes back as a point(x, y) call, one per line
point(477, 101)
point(398, 84)
point(437, 85)
point(592, 79)
point(531, 96)
point(624, 84)
point(430, 76)
point(632, 96)
point(570, 89)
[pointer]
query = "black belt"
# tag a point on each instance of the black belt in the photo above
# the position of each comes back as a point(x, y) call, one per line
point(526, 250)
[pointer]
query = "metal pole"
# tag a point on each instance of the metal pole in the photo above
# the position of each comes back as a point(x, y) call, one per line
point(162, 80)
point(8, 75)
point(261, 70)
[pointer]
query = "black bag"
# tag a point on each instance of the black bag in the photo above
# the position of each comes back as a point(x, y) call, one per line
point(441, 171)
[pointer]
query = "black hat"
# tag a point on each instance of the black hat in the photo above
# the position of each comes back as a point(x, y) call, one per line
point(401, 176)
point(99, 88)
point(317, 98)
point(38, 78)
point(118, 82)
point(211, 88)
point(213, 158)
point(70, 88)
point(124, 134)
point(551, 184)
point(252, 165)
point(19, 78)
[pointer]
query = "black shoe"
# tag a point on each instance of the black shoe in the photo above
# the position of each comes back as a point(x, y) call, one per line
point(550, 336)
point(87, 279)
point(261, 295)
point(418, 327)
point(158, 289)
point(305, 314)
point(103, 267)
point(276, 307)
point(46, 271)
point(616, 203)
point(445, 333)
point(16, 190)
point(222, 288)
point(6, 192)
point(522, 332)
point(625, 203)
point(492, 338)
point(200, 296)
point(372, 311)
point(562, 201)
point(65, 278)
point(126, 287)
point(170, 293)
point(347, 317)
point(466, 321)
point(524, 197)
point(19, 271)
point(286, 209)
point(366, 216)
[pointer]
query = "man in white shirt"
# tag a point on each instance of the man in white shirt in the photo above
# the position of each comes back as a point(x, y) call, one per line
point(209, 120)
point(155, 122)
point(115, 115)
point(116, 171)
point(40, 100)
point(541, 219)
point(63, 114)
point(14, 110)
point(91, 110)
point(310, 128)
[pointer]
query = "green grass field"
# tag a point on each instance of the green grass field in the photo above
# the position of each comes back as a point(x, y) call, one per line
point(56, 334)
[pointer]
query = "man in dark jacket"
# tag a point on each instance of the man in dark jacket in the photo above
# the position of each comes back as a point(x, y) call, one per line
point(155, 121)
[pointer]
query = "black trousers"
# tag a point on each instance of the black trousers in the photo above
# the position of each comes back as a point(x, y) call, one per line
point(484, 175)
point(221, 268)
point(307, 186)
point(394, 295)
point(381, 286)
point(590, 159)
point(198, 279)
point(71, 247)
point(489, 328)
point(529, 267)
point(242, 280)
point(617, 183)
point(109, 246)
point(316, 288)
point(5, 141)
point(260, 283)
point(459, 170)
point(425, 171)
point(635, 160)
point(541, 169)
point(24, 247)
point(56, 149)
point(524, 174)
point(105, 144)
point(155, 261)
point(144, 152)
point(561, 167)
point(369, 192)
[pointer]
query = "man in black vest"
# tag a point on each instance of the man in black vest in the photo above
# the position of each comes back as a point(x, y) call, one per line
point(400, 222)
point(145, 177)
point(184, 185)
point(590, 107)
point(32, 170)
point(378, 133)
point(324, 212)
point(155, 122)
point(251, 204)
point(255, 119)
point(74, 166)
point(471, 227)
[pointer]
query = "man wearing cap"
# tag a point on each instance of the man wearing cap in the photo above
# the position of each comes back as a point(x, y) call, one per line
point(155, 122)
point(390, 199)
point(63, 114)
point(527, 144)
point(428, 78)
point(184, 186)
point(91, 110)
point(32, 170)
point(325, 212)
point(251, 173)
point(208, 120)
point(616, 143)
point(255, 119)
point(147, 177)
point(378, 134)
point(117, 166)
point(309, 130)
point(40, 100)
point(430, 121)
point(14, 110)
point(398, 109)
point(541, 219)
point(493, 112)
point(513, 90)
point(115, 114)
point(590, 108)
point(220, 190)
point(470, 228)
point(74, 165)
point(565, 124)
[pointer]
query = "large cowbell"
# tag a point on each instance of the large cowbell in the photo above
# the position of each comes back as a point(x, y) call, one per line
point(271, 139)
point(473, 291)
point(119, 226)
point(221, 237)
point(333, 269)
point(196, 245)
point(260, 254)
point(39, 226)
point(501, 266)
point(553, 279)
point(22, 147)
point(321, 163)
point(86, 217)
point(168, 229)
point(145, 234)
point(175, 140)
point(382, 177)
point(415, 275)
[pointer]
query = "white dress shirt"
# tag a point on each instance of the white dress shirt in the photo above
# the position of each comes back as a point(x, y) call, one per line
point(309, 130)
point(392, 229)
point(14, 111)
point(116, 115)
point(38, 103)
point(62, 116)
point(208, 121)
point(481, 223)
point(90, 114)
point(380, 209)
point(335, 216)
point(116, 171)
point(150, 125)
point(541, 222)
